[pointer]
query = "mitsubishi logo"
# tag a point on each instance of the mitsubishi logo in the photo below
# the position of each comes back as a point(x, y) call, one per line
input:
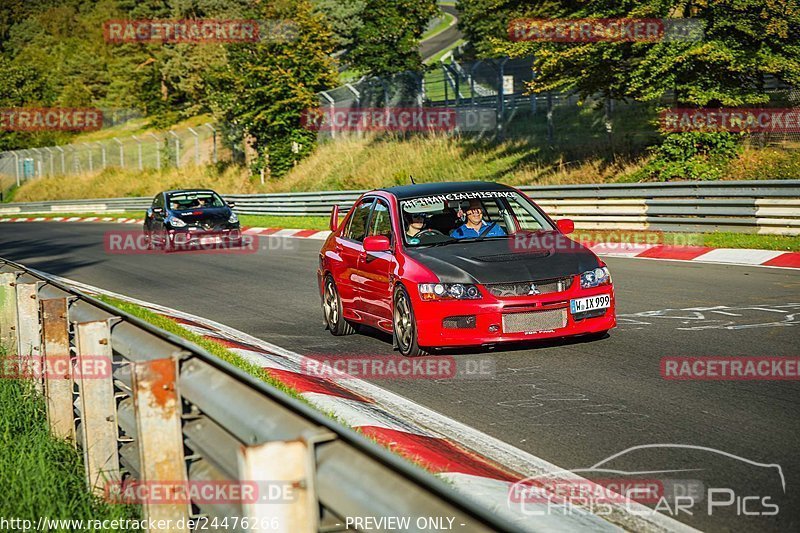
point(534, 290)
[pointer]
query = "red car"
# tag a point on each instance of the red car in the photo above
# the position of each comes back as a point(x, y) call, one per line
point(460, 264)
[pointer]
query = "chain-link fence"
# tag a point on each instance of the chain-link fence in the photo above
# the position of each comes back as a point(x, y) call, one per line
point(175, 148)
point(560, 121)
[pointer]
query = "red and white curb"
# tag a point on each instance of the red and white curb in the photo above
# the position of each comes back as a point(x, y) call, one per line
point(105, 220)
point(481, 466)
point(695, 254)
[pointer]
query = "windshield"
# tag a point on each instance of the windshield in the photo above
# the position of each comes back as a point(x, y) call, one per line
point(194, 200)
point(468, 217)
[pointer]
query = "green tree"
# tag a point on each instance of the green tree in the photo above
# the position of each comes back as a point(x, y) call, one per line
point(388, 42)
point(344, 18)
point(265, 87)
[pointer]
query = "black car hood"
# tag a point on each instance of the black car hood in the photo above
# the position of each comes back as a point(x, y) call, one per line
point(204, 214)
point(495, 261)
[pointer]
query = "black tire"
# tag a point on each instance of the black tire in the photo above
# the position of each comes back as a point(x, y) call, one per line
point(332, 310)
point(404, 325)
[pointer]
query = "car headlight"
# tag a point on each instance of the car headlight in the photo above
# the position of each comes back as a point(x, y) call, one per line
point(449, 291)
point(595, 278)
point(175, 222)
point(233, 218)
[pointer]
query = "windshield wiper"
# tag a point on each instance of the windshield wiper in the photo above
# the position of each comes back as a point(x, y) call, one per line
point(439, 243)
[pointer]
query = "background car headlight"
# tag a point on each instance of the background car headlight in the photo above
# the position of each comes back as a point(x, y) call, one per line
point(233, 218)
point(449, 291)
point(595, 278)
point(175, 222)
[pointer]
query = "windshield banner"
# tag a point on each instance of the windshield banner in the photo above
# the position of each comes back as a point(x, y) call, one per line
point(454, 196)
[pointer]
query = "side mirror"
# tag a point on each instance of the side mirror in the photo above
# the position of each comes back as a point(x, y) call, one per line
point(377, 243)
point(334, 221)
point(231, 204)
point(565, 226)
point(158, 210)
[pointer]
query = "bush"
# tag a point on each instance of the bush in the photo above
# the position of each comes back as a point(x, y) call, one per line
point(690, 156)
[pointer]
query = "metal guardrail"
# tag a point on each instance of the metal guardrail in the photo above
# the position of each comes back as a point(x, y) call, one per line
point(173, 413)
point(768, 206)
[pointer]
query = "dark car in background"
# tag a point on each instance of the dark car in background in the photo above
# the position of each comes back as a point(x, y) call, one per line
point(190, 217)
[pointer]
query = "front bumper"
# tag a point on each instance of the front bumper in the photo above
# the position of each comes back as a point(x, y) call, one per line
point(487, 327)
point(195, 235)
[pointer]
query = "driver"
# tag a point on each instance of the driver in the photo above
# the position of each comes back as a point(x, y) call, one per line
point(416, 225)
point(475, 225)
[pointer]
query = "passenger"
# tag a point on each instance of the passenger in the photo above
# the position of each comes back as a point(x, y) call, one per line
point(475, 225)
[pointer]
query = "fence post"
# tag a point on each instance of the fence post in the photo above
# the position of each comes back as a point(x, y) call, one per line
point(58, 369)
point(98, 405)
point(139, 145)
point(29, 337)
point(91, 159)
point(549, 117)
point(121, 152)
point(332, 104)
point(177, 149)
point(289, 464)
point(159, 435)
point(52, 167)
point(8, 311)
point(103, 153)
point(214, 140)
point(158, 150)
point(196, 147)
point(63, 161)
point(16, 166)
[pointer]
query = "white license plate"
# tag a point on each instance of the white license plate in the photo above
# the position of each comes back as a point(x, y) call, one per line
point(581, 305)
point(209, 240)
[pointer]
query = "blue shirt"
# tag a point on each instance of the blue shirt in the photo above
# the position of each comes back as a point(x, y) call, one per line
point(465, 232)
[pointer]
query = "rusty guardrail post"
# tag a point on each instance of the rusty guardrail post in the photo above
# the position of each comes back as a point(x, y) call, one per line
point(58, 369)
point(8, 311)
point(284, 473)
point(98, 405)
point(29, 336)
point(157, 406)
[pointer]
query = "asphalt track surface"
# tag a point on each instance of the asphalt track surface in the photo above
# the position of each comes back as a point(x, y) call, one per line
point(571, 403)
point(431, 47)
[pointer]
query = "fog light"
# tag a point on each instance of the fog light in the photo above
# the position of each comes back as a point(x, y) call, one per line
point(494, 328)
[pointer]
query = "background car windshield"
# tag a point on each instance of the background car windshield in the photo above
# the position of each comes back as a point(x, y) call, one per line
point(511, 211)
point(194, 200)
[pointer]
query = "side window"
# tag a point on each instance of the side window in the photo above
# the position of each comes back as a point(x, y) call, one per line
point(381, 223)
point(157, 201)
point(357, 228)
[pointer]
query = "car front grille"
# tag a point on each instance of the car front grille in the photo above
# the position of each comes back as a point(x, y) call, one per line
point(550, 319)
point(525, 288)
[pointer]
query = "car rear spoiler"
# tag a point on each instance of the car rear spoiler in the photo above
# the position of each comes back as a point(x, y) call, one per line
point(334, 222)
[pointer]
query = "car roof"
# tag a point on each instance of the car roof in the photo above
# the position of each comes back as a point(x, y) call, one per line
point(175, 191)
point(402, 192)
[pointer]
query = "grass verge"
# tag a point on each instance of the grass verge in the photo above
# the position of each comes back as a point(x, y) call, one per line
point(40, 475)
point(210, 346)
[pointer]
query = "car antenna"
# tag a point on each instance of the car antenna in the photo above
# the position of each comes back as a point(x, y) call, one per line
point(412, 179)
